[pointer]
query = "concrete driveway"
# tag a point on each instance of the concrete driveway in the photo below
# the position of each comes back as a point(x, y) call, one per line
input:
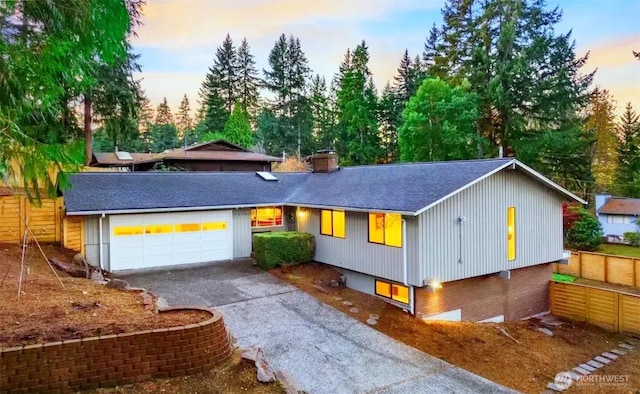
point(323, 349)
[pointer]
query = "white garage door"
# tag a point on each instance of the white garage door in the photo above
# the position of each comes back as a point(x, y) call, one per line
point(161, 239)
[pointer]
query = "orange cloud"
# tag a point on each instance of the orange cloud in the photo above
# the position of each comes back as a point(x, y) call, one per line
point(614, 53)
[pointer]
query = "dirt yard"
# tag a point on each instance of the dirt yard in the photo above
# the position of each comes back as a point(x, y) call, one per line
point(45, 312)
point(234, 376)
point(526, 366)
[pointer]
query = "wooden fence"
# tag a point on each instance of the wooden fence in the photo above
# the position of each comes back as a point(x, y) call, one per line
point(603, 267)
point(609, 309)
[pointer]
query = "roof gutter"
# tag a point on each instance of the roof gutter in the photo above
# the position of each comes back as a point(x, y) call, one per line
point(351, 209)
point(175, 209)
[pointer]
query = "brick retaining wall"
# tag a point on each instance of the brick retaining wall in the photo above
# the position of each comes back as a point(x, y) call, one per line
point(115, 359)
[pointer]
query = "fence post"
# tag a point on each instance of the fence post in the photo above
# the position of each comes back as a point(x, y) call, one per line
point(580, 264)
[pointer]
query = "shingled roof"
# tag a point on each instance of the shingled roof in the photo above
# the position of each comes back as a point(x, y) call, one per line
point(621, 206)
point(405, 188)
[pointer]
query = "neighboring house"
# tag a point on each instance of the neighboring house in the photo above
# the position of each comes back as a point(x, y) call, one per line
point(461, 240)
point(617, 215)
point(216, 155)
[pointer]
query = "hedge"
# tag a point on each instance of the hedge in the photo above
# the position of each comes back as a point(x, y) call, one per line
point(287, 247)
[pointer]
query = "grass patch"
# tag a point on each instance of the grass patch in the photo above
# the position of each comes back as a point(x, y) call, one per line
point(563, 278)
point(620, 250)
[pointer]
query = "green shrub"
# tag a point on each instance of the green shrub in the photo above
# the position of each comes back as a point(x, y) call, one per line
point(288, 247)
point(586, 233)
point(632, 238)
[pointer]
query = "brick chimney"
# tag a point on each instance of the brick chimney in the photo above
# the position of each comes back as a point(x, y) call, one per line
point(325, 161)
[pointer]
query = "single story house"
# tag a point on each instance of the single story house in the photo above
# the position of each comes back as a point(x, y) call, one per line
point(460, 240)
point(617, 215)
point(218, 155)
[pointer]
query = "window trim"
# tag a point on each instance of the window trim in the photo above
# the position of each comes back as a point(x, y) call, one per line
point(332, 222)
point(391, 285)
point(280, 207)
point(384, 229)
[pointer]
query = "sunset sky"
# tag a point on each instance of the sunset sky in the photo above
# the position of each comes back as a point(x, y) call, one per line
point(179, 37)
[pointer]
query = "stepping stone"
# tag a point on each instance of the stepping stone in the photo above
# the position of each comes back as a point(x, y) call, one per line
point(372, 322)
point(574, 375)
point(618, 352)
point(337, 298)
point(347, 303)
point(601, 359)
point(634, 340)
point(582, 371)
point(374, 316)
point(354, 310)
point(555, 387)
point(587, 367)
point(626, 346)
point(610, 356)
point(595, 364)
point(545, 331)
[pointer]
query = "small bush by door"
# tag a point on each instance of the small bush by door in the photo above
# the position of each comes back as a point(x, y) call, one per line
point(286, 247)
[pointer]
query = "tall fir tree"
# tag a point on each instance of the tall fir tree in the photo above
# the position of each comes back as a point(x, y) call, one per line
point(287, 79)
point(601, 122)
point(184, 123)
point(248, 80)
point(225, 72)
point(146, 115)
point(390, 118)
point(323, 117)
point(404, 79)
point(216, 115)
point(163, 136)
point(359, 140)
point(163, 113)
point(627, 177)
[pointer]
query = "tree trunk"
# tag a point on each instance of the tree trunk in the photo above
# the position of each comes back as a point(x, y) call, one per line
point(87, 130)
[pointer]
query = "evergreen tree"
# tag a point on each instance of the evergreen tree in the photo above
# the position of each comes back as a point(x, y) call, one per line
point(286, 79)
point(439, 124)
point(216, 115)
point(357, 105)
point(404, 79)
point(526, 76)
point(163, 113)
point(238, 130)
point(146, 115)
point(601, 122)
point(184, 123)
point(225, 73)
point(628, 171)
point(390, 118)
point(248, 80)
point(323, 117)
point(432, 58)
point(163, 136)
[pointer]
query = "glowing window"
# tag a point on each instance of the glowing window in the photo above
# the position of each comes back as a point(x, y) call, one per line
point(127, 230)
point(393, 291)
point(400, 293)
point(511, 233)
point(188, 227)
point(332, 223)
point(158, 229)
point(386, 229)
point(383, 288)
point(266, 217)
point(214, 226)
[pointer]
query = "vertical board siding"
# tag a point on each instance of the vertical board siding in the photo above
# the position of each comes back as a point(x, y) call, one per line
point(241, 233)
point(453, 250)
point(355, 252)
point(73, 233)
point(92, 241)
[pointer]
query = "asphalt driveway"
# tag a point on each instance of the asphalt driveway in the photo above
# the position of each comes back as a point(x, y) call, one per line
point(323, 349)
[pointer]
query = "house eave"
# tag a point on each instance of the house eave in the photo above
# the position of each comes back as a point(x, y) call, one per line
point(172, 209)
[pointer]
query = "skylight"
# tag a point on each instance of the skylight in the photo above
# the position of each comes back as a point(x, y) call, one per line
point(121, 155)
point(267, 176)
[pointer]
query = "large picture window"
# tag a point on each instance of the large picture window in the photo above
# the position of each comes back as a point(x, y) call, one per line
point(266, 217)
point(393, 291)
point(332, 223)
point(385, 229)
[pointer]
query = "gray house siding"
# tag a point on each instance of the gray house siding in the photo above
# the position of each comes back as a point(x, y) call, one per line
point(92, 240)
point(455, 250)
point(241, 233)
point(355, 252)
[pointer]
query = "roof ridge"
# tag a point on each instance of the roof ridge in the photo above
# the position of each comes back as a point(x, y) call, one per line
point(417, 163)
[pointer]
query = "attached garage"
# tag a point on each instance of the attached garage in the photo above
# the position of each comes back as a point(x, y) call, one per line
point(161, 239)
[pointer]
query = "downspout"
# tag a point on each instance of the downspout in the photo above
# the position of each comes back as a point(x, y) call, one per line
point(100, 241)
point(405, 265)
